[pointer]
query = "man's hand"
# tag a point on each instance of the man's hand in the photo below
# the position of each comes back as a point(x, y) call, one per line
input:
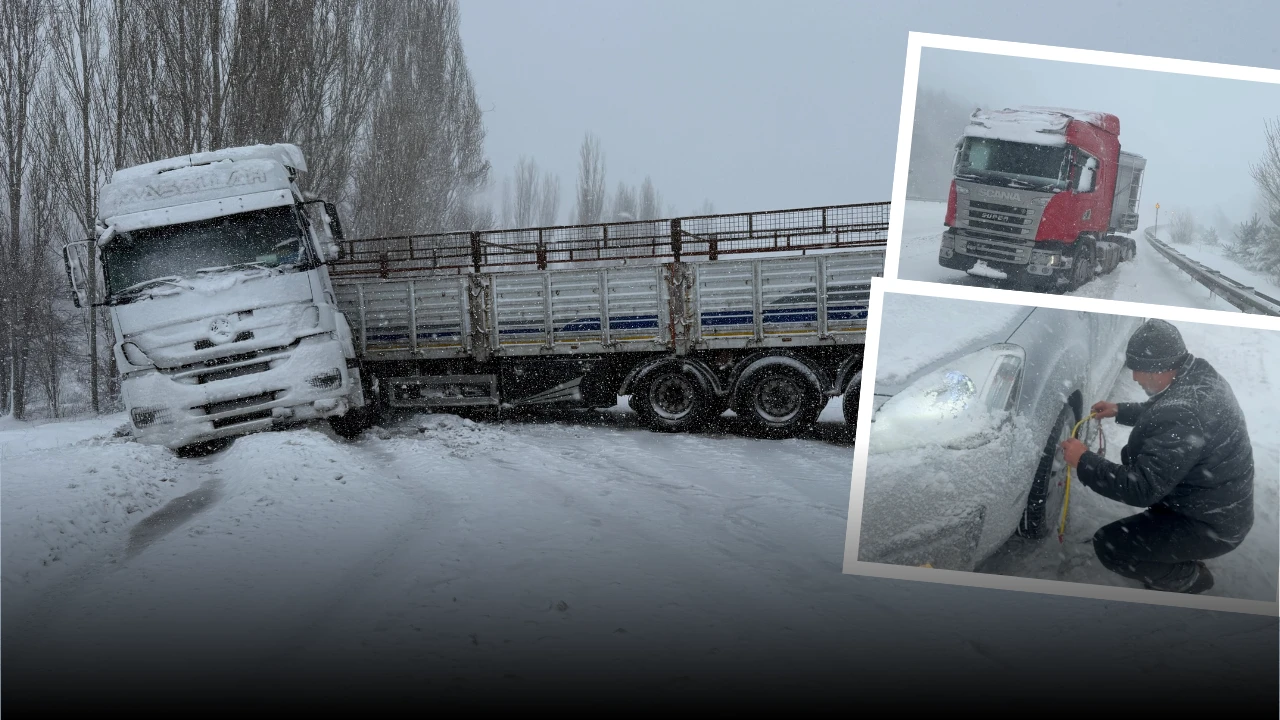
point(1104, 409)
point(1072, 450)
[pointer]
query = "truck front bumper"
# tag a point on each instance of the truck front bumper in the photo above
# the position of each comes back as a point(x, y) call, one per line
point(1022, 263)
point(309, 380)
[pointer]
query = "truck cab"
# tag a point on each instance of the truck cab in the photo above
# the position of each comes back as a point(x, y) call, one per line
point(214, 270)
point(1038, 197)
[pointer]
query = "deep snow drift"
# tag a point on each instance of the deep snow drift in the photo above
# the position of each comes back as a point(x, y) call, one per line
point(1148, 278)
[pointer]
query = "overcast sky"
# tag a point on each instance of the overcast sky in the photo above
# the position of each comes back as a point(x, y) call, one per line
point(1198, 134)
point(764, 105)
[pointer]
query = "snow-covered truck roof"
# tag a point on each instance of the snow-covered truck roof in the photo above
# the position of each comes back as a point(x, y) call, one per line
point(199, 186)
point(1036, 125)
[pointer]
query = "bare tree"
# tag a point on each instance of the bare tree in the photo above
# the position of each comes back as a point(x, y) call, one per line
point(591, 174)
point(526, 192)
point(1266, 172)
point(424, 161)
point(549, 207)
point(626, 206)
point(650, 200)
point(23, 41)
point(1182, 227)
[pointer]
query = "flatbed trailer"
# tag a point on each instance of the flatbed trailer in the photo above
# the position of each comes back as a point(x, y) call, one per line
point(760, 313)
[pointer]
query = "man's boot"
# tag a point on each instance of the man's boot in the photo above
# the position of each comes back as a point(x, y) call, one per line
point(1202, 581)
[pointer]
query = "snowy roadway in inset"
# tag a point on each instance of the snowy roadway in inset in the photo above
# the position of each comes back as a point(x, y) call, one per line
point(1148, 278)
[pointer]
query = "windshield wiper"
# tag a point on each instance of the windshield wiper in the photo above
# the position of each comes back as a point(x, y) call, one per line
point(139, 287)
point(235, 266)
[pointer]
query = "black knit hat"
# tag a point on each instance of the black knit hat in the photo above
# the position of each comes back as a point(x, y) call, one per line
point(1155, 347)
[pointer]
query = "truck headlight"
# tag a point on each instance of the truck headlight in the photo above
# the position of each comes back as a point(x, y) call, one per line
point(329, 379)
point(145, 417)
point(959, 406)
point(135, 356)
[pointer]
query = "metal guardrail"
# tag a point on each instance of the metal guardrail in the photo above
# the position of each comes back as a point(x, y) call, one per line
point(708, 237)
point(1238, 294)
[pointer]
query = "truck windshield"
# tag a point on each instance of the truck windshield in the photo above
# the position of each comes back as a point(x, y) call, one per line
point(271, 238)
point(1013, 164)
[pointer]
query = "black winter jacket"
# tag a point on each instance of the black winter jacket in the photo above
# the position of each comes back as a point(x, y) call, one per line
point(1189, 452)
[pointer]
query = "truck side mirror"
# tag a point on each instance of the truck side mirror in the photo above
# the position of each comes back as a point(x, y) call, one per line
point(74, 260)
point(1086, 176)
point(335, 229)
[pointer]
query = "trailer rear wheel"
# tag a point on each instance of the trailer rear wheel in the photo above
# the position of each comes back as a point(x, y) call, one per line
point(779, 402)
point(673, 400)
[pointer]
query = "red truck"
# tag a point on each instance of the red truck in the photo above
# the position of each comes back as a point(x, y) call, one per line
point(1039, 197)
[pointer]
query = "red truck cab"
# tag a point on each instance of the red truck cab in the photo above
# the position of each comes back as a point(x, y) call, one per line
point(1038, 196)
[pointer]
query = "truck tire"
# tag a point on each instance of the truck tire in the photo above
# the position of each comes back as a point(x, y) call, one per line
point(350, 425)
point(779, 402)
point(673, 399)
point(1082, 265)
point(849, 402)
point(204, 449)
point(1048, 488)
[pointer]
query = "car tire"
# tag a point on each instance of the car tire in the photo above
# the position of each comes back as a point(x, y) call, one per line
point(1048, 487)
point(674, 399)
point(779, 402)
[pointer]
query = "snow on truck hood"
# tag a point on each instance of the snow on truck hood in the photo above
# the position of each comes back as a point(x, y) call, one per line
point(220, 294)
point(917, 334)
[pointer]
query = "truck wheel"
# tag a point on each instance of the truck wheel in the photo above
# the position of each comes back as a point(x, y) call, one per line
point(1082, 266)
point(849, 402)
point(1048, 488)
point(354, 422)
point(780, 402)
point(204, 449)
point(673, 400)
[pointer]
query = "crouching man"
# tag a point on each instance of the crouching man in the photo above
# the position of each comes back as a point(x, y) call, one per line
point(1188, 461)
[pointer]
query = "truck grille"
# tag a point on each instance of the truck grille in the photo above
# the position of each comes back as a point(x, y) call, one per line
point(228, 366)
point(992, 247)
point(238, 403)
point(240, 337)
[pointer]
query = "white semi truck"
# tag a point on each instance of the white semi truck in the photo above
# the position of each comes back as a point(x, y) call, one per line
point(214, 270)
point(238, 305)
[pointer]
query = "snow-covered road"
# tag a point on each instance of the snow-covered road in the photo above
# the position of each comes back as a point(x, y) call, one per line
point(1148, 278)
point(518, 553)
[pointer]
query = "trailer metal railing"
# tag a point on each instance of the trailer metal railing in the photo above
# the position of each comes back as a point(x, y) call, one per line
point(799, 231)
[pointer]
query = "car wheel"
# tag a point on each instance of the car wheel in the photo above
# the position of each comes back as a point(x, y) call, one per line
point(1048, 488)
point(779, 402)
point(204, 449)
point(673, 400)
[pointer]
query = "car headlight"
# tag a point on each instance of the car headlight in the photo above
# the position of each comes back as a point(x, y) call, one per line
point(135, 356)
point(959, 406)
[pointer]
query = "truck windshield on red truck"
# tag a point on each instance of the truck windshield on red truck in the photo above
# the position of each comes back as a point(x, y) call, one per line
point(1040, 198)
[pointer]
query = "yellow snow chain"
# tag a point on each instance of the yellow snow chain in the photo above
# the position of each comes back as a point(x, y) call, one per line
point(1066, 499)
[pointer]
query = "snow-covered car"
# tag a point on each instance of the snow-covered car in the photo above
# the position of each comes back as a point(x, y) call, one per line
point(971, 401)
